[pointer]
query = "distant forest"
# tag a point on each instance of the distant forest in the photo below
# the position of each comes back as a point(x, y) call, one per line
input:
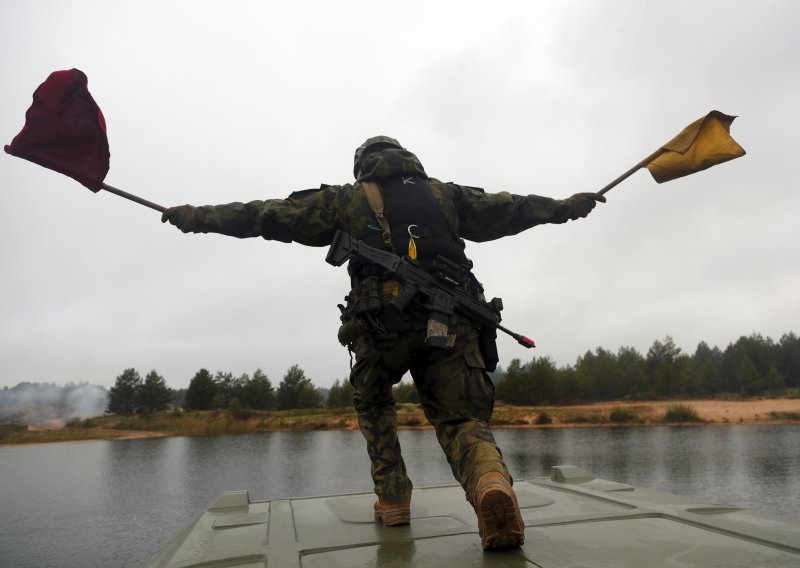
point(752, 366)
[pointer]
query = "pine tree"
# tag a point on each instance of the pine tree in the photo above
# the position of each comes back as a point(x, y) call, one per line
point(509, 387)
point(297, 391)
point(404, 391)
point(259, 393)
point(789, 359)
point(122, 396)
point(154, 394)
point(341, 394)
point(225, 386)
point(201, 392)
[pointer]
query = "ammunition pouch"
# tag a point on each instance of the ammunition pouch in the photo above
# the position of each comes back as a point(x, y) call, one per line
point(363, 301)
point(366, 296)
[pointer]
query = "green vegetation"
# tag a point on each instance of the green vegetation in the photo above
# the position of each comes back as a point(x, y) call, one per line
point(122, 396)
point(593, 418)
point(681, 412)
point(223, 390)
point(236, 420)
point(154, 394)
point(297, 391)
point(782, 415)
point(340, 395)
point(752, 366)
point(405, 392)
point(622, 414)
point(130, 394)
point(202, 391)
point(85, 423)
point(11, 429)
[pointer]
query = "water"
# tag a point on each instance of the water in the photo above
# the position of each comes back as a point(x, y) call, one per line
point(115, 503)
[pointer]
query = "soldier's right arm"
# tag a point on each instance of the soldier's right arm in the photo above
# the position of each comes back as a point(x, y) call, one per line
point(308, 217)
point(488, 216)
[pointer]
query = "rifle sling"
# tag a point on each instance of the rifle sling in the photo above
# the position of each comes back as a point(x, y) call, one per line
point(375, 199)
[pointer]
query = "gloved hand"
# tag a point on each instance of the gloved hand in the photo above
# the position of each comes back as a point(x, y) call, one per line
point(581, 204)
point(181, 216)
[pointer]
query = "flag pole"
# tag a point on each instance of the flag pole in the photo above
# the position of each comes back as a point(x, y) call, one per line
point(620, 179)
point(630, 172)
point(135, 198)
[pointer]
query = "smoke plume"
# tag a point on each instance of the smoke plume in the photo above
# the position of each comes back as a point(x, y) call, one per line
point(49, 405)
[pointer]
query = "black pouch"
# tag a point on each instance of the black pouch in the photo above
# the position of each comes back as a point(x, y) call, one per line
point(488, 344)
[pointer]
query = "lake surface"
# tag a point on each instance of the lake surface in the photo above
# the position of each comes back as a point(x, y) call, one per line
point(115, 503)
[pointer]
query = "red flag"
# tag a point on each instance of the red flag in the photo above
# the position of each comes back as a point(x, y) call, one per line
point(65, 130)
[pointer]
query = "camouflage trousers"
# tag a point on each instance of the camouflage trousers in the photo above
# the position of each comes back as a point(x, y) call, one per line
point(456, 394)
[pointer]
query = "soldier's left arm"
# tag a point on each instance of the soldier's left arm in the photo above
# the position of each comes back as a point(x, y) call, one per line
point(488, 216)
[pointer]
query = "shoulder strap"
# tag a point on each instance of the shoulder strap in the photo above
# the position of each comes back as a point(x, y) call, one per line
point(375, 199)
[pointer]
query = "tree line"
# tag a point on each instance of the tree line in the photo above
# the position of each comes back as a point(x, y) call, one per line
point(751, 366)
point(222, 390)
point(132, 394)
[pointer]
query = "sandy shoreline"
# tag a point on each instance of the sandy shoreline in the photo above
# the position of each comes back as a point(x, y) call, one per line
point(646, 413)
point(755, 411)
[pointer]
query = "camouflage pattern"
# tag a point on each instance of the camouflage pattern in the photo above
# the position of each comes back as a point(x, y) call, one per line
point(374, 142)
point(456, 394)
point(457, 397)
point(311, 217)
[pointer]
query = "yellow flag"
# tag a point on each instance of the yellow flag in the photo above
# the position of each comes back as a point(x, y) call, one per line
point(704, 143)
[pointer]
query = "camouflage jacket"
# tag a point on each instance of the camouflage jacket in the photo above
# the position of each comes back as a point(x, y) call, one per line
point(312, 217)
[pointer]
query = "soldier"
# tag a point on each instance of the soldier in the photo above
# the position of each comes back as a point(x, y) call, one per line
point(395, 205)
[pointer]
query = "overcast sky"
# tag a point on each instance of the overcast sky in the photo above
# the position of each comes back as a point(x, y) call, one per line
point(212, 102)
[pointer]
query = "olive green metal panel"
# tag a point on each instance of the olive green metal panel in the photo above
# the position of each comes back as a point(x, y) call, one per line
point(572, 519)
point(649, 541)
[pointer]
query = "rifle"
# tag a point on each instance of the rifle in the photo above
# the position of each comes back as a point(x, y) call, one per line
point(436, 291)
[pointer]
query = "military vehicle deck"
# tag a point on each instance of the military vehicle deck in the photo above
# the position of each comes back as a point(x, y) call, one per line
point(571, 519)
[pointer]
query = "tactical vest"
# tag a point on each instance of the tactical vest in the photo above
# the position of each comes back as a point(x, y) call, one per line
point(413, 212)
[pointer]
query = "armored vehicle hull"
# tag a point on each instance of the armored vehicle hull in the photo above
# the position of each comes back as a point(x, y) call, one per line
point(571, 520)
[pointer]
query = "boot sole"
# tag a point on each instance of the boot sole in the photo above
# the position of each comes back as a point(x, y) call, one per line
point(499, 521)
point(394, 518)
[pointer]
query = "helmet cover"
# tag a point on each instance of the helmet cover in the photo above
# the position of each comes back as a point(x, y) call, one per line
point(372, 144)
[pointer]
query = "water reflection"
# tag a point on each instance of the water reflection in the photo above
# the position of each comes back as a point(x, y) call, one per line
point(400, 552)
point(749, 466)
point(115, 503)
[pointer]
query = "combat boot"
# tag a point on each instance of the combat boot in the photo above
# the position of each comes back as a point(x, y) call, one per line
point(499, 520)
point(393, 514)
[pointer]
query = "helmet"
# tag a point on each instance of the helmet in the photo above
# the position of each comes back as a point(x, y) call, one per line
point(372, 144)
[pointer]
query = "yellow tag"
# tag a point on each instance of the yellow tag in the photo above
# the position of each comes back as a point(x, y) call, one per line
point(412, 248)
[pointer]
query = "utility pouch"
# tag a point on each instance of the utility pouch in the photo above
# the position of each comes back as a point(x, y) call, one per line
point(488, 344)
point(367, 297)
point(437, 335)
point(351, 330)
